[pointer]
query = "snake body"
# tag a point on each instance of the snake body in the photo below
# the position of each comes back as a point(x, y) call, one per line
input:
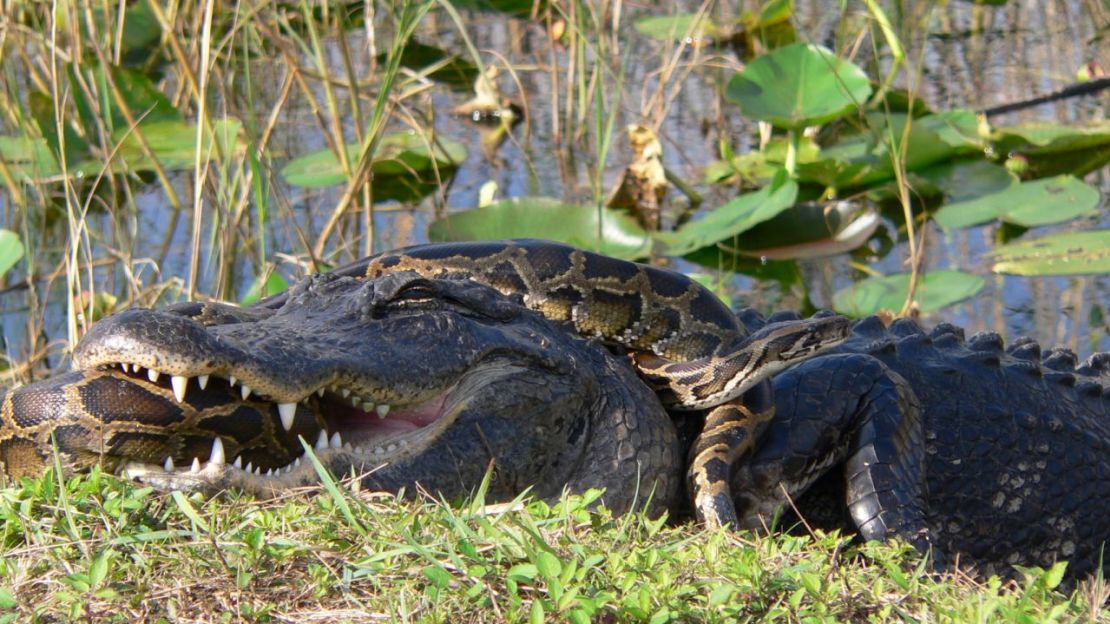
point(682, 339)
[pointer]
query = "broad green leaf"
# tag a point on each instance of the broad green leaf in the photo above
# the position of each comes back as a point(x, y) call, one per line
point(145, 102)
point(677, 27)
point(611, 232)
point(174, 145)
point(962, 180)
point(401, 154)
point(798, 85)
point(11, 250)
point(266, 284)
point(1070, 253)
point(28, 159)
point(735, 217)
point(935, 290)
point(759, 168)
point(810, 230)
point(1051, 149)
point(1036, 202)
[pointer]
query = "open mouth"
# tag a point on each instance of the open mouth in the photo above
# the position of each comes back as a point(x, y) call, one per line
point(332, 419)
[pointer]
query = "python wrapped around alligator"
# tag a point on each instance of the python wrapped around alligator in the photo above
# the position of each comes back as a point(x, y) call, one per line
point(561, 368)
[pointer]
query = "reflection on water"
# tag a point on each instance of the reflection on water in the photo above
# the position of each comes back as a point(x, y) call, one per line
point(963, 55)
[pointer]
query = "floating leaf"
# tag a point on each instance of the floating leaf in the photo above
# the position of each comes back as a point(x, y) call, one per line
point(174, 145)
point(1070, 253)
point(810, 230)
point(1052, 149)
point(28, 159)
point(401, 154)
point(1036, 202)
point(736, 216)
point(963, 180)
point(11, 250)
point(611, 232)
point(935, 290)
point(797, 86)
point(676, 27)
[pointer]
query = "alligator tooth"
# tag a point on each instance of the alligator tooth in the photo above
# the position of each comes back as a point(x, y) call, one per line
point(347, 446)
point(168, 466)
point(152, 375)
point(231, 380)
point(403, 442)
point(345, 392)
point(367, 407)
point(383, 409)
point(287, 411)
point(297, 462)
point(250, 467)
point(179, 384)
point(216, 456)
point(336, 440)
point(125, 366)
point(321, 441)
point(202, 381)
point(391, 448)
point(238, 462)
point(270, 472)
point(196, 465)
point(378, 450)
point(246, 391)
point(356, 400)
point(320, 391)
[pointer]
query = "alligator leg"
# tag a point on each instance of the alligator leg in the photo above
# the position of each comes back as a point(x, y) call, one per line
point(851, 412)
point(729, 433)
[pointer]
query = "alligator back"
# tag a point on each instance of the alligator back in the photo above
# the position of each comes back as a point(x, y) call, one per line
point(1017, 443)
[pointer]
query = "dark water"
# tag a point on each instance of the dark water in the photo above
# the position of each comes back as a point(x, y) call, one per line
point(960, 55)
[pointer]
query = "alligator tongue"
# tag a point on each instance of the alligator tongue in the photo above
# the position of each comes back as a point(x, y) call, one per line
point(352, 420)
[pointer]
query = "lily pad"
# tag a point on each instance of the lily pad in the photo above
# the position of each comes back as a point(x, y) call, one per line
point(935, 290)
point(174, 144)
point(736, 216)
point(610, 232)
point(676, 27)
point(1070, 253)
point(963, 180)
point(11, 250)
point(810, 230)
point(799, 85)
point(401, 154)
point(1036, 202)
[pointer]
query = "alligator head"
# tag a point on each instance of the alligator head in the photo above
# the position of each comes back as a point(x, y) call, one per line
point(402, 380)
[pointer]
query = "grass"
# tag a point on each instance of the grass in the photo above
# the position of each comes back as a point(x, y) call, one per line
point(96, 548)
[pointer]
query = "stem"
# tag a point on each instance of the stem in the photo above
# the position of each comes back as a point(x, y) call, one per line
point(792, 151)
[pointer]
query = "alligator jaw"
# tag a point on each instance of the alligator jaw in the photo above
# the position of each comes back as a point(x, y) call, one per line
point(341, 427)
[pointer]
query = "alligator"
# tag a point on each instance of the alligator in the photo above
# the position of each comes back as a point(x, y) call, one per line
point(962, 447)
point(315, 354)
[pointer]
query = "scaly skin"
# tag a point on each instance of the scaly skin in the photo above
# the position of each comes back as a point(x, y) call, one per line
point(475, 382)
point(990, 455)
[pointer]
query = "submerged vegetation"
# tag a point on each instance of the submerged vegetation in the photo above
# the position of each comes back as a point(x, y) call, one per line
point(153, 151)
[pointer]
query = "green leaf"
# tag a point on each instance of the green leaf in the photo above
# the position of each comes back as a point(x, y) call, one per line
point(610, 232)
point(11, 250)
point(962, 180)
point(402, 154)
point(1036, 202)
point(437, 575)
point(174, 145)
point(799, 85)
point(935, 290)
point(548, 565)
point(28, 159)
point(810, 230)
point(736, 216)
point(266, 284)
point(677, 27)
point(522, 573)
point(7, 599)
point(1071, 253)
